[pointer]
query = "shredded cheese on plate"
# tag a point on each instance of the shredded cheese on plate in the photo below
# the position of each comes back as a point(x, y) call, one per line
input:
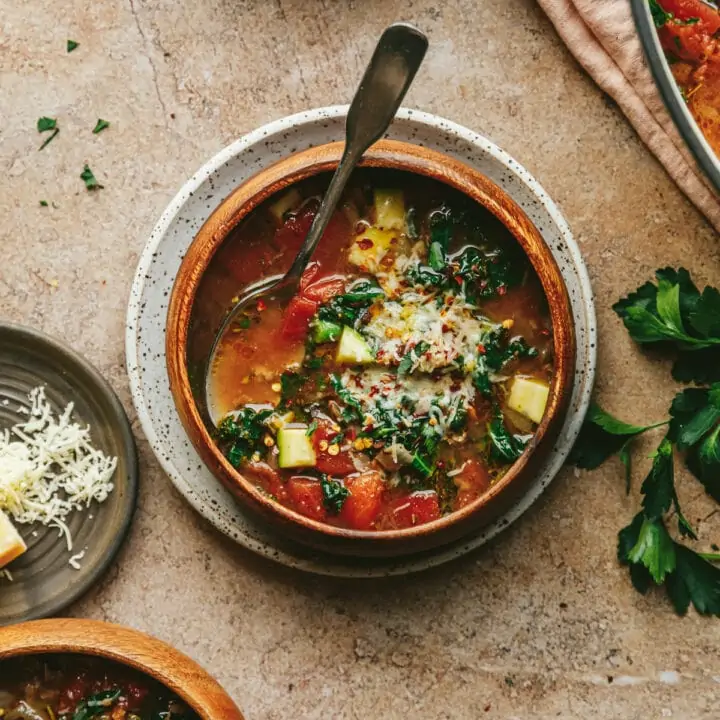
point(49, 468)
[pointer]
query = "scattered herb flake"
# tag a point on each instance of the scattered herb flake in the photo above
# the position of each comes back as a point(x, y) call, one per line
point(89, 179)
point(71, 45)
point(46, 123)
point(49, 139)
point(43, 203)
point(100, 125)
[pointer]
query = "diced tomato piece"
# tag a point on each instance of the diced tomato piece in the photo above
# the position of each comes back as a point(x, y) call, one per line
point(472, 482)
point(694, 42)
point(135, 696)
point(73, 693)
point(339, 464)
point(269, 479)
point(417, 508)
point(362, 506)
point(310, 274)
point(325, 289)
point(297, 317)
point(687, 9)
point(306, 496)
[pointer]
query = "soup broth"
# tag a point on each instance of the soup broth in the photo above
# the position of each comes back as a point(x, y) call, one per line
point(408, 373)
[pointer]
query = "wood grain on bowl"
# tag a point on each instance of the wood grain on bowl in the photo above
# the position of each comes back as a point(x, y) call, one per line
point(237, 207)
point(130, 648)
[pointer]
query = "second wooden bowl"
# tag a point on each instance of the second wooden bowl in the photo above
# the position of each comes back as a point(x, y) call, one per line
point(127, 647)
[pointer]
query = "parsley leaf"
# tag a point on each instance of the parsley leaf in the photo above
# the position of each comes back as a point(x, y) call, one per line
point(100, 125)
point(653, 547)
point(46, 123)
point(603, 436)
point(700, 366)
point(71, 45)
point(89, 179)
point(43, 203)
point(334, 494)
point(695, 427)
point(694, 580)
point(659, 489)
point(673, 311)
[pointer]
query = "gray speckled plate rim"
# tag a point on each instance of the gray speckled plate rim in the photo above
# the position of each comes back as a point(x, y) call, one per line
point(122, 427)
point(153, 283)
point(670, 92)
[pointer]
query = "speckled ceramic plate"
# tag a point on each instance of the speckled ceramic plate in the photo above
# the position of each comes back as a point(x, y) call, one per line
point(43, 581)
point(170, 240)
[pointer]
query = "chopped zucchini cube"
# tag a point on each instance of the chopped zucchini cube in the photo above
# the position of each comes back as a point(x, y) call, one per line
point(325, 331)
point(353, 349)
point(294, 447)
point(390, 210)
point(289, 201)
point(529, 396)
point(370, 247)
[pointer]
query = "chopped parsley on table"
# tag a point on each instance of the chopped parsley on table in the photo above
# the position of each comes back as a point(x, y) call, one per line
point(89, 179)
point(100, 125)
point(675, 315)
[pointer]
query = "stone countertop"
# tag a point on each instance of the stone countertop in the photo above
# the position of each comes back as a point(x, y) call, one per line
point(541, 624)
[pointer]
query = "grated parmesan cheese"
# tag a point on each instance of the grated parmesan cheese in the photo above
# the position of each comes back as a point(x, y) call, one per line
point(49, 467)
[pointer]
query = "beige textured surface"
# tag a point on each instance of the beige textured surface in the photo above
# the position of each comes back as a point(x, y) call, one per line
point(543, 623)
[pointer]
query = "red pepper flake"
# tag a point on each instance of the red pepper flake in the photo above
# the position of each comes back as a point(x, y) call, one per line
point(445, 327)
point(440, 464)
point(261, 305)
point(545, 332)
point(365, 244)
point(481, 349)
point(502, 290)
point(458, 279)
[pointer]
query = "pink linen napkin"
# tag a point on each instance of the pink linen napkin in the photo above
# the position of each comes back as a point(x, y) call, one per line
point(601, 35)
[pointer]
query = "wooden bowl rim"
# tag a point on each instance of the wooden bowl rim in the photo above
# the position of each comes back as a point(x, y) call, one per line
point(388, 154)
point(128, 647)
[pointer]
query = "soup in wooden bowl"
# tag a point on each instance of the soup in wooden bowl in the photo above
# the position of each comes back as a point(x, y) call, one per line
point(427, 352)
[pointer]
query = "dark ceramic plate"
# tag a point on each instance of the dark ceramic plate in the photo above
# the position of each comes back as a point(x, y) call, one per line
point(688, 128)
point(43, 581)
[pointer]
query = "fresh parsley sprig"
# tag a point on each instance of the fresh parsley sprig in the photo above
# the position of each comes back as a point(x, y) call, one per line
point(676, 313)
point(672, 313)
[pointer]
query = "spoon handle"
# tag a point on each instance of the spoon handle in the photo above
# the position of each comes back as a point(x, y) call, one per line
point(391, 69)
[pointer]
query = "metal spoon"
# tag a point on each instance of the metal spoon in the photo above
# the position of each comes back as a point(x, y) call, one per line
point(391, 69)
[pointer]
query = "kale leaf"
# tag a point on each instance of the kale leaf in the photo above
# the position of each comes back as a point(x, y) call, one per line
point(504, 446)
point(290, 385)
point(353, 410)
point(97, 704)
point(241, 434)
point(334, 494)
point(348, 309)
point(406, 364)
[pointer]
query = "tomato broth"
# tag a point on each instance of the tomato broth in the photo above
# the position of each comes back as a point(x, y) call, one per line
point(409, 371)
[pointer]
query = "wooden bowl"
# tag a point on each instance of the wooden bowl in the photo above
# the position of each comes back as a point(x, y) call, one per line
point(189, 397)
point(130, 648)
